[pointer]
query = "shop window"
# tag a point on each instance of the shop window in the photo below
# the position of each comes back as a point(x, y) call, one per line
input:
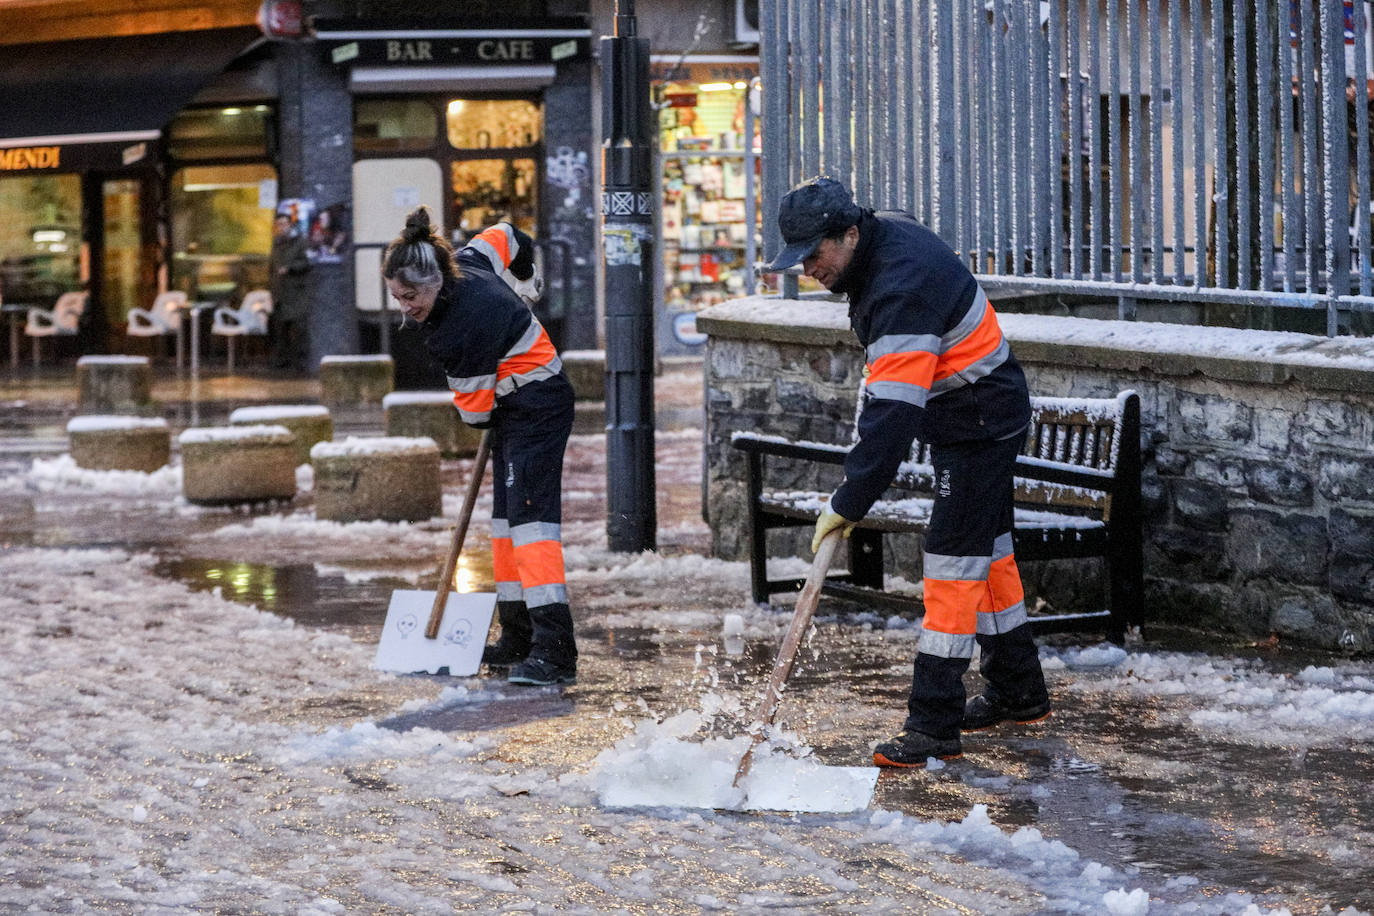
point(40, 237)
point(385, 126)
point(221, 229)
point(220, 133)
point(494, 123)
point(488, 190)
point(704, 208)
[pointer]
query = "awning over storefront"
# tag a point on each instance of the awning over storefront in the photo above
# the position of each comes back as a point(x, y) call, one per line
point(107, 93)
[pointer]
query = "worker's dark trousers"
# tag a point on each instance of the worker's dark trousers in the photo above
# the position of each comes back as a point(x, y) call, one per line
point(526, 528)
point(972, 590)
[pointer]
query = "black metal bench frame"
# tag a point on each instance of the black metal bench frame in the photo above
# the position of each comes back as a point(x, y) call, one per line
point(1089, 445)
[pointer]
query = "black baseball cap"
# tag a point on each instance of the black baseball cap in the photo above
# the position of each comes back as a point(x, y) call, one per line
point(808, 213)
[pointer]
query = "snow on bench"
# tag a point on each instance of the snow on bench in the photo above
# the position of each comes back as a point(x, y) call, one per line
point(1077, 495)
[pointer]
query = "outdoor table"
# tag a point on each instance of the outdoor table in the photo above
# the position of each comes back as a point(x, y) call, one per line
point(17, 312)
point(195, 308)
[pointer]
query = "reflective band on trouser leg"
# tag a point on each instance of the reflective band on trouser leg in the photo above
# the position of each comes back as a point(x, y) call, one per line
point(1007, 596)
point(503, 565)
point(956, 589)
point(539, 556)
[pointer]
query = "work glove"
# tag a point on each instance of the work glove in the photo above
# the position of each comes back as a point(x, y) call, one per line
point(530, 289)
point(828, 522)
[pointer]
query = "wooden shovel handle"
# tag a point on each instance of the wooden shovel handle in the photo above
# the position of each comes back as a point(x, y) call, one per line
point(782, 668)
point(460, 533)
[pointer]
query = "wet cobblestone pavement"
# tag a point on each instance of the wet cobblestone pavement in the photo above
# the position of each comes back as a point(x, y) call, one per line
point(1118, 773)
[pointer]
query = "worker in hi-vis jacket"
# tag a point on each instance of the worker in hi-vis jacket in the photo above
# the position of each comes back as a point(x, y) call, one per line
point(506, 376)
point(937, 368)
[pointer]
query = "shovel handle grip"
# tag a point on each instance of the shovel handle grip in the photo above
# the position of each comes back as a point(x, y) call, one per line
point(460, 533)
point(787, 655)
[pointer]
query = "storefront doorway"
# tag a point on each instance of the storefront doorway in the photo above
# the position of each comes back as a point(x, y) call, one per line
point(471, 161)
point(125, 281)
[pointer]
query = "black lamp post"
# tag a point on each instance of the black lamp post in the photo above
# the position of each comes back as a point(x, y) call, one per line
point(628, 234)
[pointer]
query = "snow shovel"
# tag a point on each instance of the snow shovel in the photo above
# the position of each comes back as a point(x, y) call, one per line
point(782, 668)
point(463, 620)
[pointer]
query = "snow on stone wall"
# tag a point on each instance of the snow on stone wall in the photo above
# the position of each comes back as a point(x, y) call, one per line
point(1259, 456)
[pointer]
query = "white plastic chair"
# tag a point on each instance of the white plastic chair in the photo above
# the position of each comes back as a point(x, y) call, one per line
point(249, 318)
point(163, 318)
point(62, 320)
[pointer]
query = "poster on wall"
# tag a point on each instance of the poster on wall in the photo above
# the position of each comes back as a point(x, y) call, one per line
point(327, 239)
point(298, 210)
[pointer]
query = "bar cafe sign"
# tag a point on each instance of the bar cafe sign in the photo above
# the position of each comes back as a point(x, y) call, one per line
point(486, 49)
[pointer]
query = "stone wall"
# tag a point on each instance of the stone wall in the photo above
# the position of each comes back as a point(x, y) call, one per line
point(1259, 455)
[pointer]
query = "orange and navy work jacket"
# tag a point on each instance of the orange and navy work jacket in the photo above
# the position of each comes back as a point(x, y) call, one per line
point(492, 348)
point(937, 365)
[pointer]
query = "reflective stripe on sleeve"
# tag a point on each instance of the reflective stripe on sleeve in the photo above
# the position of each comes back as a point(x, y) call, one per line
point(497, 244)
point(889, 344)
point(471, 383)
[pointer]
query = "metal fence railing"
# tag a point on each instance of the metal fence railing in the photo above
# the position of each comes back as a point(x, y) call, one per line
point(1214, 152)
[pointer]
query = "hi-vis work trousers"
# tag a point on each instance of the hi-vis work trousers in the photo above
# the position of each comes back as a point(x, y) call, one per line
point(972, 590)
point(526, 526)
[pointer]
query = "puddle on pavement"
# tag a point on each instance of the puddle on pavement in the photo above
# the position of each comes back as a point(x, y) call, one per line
point(1077, 779)
point(299, 591)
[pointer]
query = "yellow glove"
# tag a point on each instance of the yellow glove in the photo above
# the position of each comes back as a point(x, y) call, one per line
point(828, 522)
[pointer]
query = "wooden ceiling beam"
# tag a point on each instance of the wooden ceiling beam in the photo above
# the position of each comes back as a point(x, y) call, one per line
point(26, 21)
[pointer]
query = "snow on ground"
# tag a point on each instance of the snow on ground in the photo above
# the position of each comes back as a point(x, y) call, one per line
point(168, 750)
point(1239, 699)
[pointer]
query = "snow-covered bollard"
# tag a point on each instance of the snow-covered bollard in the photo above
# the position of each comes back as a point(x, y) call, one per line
point(356, 381)
point(417, 414)
point(309, 423)
point(114, 384)
point(237, 464)
point(586, 370)
point(102, 442)
point(389, 478)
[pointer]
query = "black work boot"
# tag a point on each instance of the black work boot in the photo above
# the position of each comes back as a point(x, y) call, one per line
point(516, 631)
point(987, 710)
point(1015, 689)
point(553, 653)
point(542, 672)
point(913, 749)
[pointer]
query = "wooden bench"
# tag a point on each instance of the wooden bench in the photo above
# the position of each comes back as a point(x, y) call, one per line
point(1077, 495)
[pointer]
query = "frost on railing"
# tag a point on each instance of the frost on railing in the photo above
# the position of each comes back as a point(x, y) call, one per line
point(1211, 153)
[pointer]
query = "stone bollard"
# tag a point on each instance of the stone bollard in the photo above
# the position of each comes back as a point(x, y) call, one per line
point(309, 423)
point(237, 464)
point(432, 414)
point(356, 381)
point(118, 443)
point(387, 478)
point(586, 369)
point(114, 384)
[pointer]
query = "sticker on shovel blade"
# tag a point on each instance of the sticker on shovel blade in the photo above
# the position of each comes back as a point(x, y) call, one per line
point(458, 647)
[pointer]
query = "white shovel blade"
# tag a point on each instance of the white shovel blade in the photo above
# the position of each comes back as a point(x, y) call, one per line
point(458, 647)
point(779, 783)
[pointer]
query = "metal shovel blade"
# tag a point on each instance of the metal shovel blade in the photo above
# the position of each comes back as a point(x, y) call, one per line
point(458, 646)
